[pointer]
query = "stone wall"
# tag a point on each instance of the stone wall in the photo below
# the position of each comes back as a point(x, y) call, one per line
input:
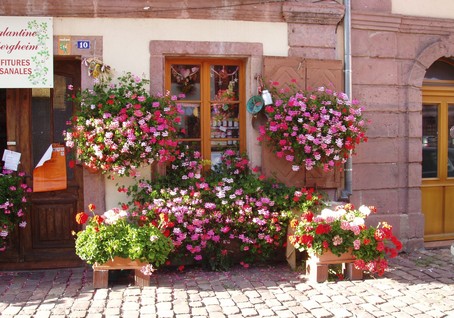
point(390, 55)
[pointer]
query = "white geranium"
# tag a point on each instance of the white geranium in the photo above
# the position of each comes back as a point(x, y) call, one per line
point(364, 210)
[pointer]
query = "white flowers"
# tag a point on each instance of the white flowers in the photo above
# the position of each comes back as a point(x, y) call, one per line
point(364, 210)
point(113, 215)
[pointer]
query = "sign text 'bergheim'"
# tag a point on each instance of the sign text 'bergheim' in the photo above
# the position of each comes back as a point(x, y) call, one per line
point(26, 52)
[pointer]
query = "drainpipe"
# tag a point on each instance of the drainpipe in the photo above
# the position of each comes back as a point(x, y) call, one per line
point(347, 191)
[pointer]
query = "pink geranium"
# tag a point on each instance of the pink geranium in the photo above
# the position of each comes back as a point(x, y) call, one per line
point(126, 128)
point(313, 129)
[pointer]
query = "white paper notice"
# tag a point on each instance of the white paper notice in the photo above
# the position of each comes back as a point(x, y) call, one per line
point(11, 159)
point(47, 156)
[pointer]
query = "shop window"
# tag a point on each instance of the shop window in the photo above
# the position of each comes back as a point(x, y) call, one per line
point(212, 95)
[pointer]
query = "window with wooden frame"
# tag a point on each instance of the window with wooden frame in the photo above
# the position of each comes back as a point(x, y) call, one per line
point(214, 109)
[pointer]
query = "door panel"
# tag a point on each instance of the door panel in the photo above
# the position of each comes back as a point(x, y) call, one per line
point(437, 189)
point(448, 220)
point(51, 224)
point(432, 198)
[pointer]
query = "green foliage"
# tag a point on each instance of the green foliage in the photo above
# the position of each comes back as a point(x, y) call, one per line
point(99, 243)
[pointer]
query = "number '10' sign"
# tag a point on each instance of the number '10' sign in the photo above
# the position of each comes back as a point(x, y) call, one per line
point(84, 45)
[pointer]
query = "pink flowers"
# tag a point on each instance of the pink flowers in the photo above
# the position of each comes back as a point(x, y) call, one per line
point(316, 129)
point(14, 196)
point(232, 205)
point(127, 128)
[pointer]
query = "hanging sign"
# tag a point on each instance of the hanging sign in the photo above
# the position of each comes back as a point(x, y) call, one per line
point(26, 52)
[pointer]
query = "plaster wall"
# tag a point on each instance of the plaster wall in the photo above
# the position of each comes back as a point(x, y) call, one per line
point(424, 8)
point(126, 41)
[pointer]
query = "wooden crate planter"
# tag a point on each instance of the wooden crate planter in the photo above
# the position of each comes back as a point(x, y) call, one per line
point(101, 271)
point(317, 266)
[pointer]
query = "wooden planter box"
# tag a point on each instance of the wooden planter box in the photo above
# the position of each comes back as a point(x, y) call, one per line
point(317, 266)
point(101, 271)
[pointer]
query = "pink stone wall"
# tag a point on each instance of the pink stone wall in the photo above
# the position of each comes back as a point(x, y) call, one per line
point(390, 55)
point(389, 65)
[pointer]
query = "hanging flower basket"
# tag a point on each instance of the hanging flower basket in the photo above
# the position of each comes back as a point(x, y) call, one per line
point(313, 129)
point(119, 126)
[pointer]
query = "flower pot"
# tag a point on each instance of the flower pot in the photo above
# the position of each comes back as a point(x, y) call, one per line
point(317, 266)
point(101, 271)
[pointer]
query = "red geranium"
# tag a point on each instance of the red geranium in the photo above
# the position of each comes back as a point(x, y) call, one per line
point(81, 218)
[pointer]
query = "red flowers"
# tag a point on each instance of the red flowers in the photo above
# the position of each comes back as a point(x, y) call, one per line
point(98, 219)
point(81, 218)
point(342, 230)
point(322, 229)
point(308, 216)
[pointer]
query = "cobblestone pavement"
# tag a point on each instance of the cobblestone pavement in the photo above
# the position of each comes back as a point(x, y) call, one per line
point(419, 284)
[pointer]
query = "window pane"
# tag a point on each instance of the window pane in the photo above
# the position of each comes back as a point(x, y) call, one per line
point(41, 119)
point(190, 121)
point(185, 79)
point(430, 141)
point(61, 106)
point(451, 140)
point(62, 112)
point(224, 95)
point(218, 147)
point(441, 70)
point(224, 81)
point(224, 112)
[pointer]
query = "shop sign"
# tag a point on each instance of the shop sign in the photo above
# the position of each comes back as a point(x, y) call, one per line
point(26, 52)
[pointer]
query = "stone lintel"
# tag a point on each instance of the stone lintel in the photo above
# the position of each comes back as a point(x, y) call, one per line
point(313, 13)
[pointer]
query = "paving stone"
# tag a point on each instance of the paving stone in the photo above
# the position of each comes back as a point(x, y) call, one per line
point(406, 290)
point(341, 313)
point(249, 312)
point(11, 310)
point(231, 310)
point(199, 311)
point(285, 314)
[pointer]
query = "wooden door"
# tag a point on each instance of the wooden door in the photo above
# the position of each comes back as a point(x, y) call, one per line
point(437, 188)
point(37, 118)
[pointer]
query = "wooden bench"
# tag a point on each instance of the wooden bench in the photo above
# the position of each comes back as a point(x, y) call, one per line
point(101, 271)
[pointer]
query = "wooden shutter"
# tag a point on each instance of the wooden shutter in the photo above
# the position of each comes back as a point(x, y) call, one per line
point(309, 74)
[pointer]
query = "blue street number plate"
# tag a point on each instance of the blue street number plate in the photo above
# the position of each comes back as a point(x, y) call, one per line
point(84, 45)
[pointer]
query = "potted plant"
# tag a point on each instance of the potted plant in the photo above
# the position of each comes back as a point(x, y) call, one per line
point(343, 232)
point(312, 129)
point(117, 234)
point(13, 200)
point(120, 126)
